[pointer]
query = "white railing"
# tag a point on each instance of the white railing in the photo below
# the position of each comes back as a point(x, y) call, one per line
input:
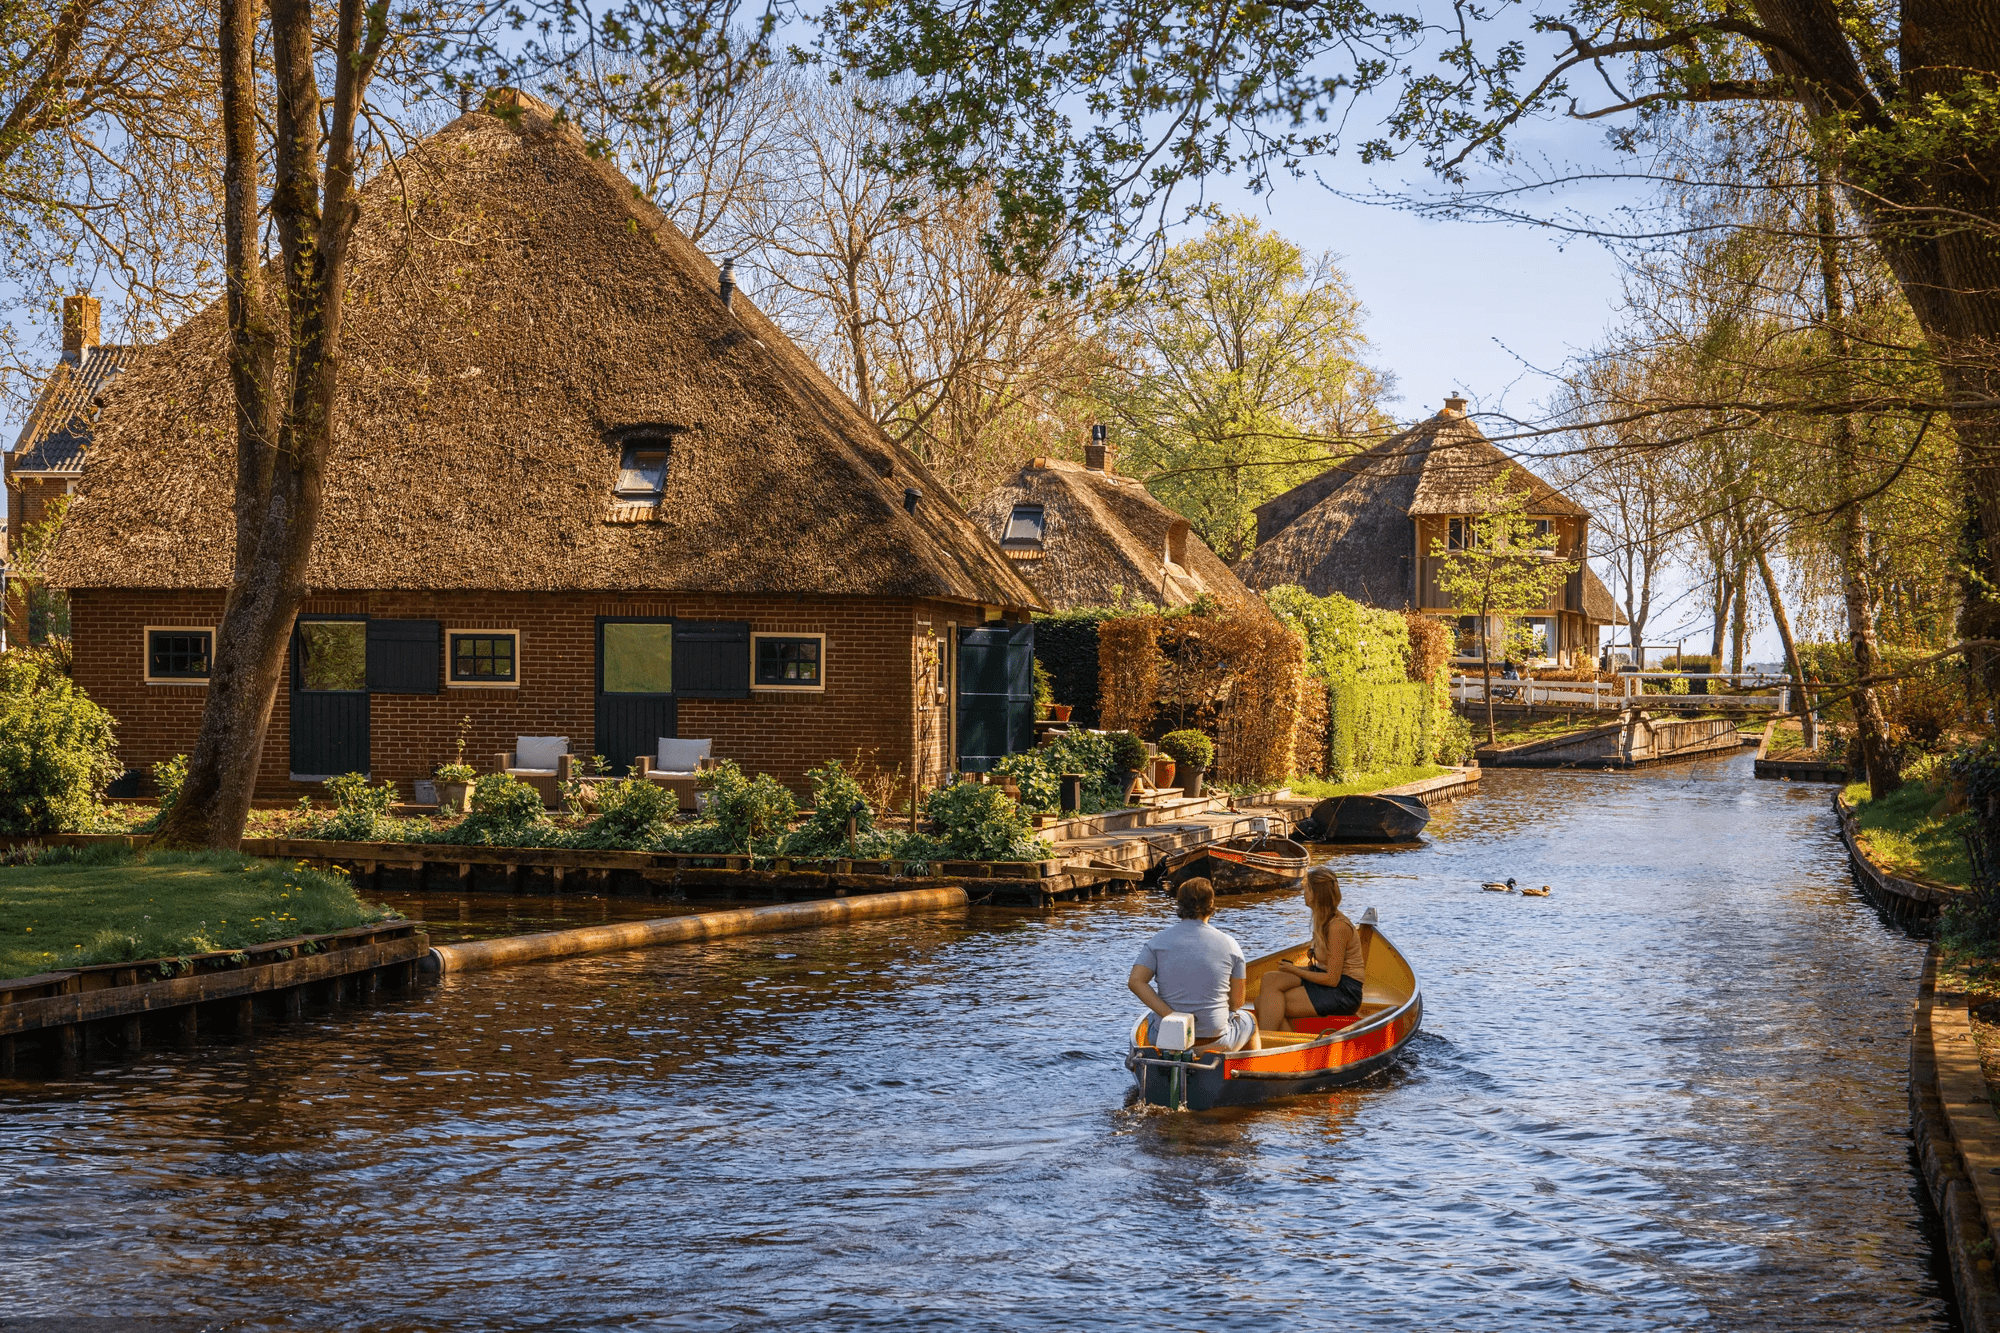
point(1754, 690)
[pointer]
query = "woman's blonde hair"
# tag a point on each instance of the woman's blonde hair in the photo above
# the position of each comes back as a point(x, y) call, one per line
point(1322, 896)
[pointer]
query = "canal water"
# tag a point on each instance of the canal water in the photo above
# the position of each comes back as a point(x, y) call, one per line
point(1669, 1095)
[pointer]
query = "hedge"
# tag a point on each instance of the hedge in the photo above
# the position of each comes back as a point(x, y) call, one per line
point(1066, 646)
point(1372, 726)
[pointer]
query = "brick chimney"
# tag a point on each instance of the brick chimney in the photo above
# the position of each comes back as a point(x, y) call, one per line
point(1097, 454)
point(1454, 406)
point(80, 316)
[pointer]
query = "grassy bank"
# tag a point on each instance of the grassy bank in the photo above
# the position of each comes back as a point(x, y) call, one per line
point(1907, 834)
point(104, 904)
point(1314, 789)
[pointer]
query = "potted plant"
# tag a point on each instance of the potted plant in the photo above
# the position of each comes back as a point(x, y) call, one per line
point(1192, 753)
point(455, 779)
point(1163, 772)
point(1061, 712)
point(1128, 756)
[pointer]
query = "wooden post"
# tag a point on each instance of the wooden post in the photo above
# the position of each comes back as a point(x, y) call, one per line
point(130, 1035)
point(295, 1004)
point(245, 1016)
point(69, 1048)
point(187, 1022)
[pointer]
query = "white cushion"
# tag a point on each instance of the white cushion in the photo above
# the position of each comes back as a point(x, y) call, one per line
point(681, 756)
point(540, 752)
point(531, 772)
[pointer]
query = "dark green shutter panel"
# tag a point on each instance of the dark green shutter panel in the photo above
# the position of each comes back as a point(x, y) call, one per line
point(712, 659)
point(996, 694)
point(404, 656)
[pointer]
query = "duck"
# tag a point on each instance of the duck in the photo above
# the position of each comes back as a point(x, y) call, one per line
point(1490, 887)
point(1542, 892)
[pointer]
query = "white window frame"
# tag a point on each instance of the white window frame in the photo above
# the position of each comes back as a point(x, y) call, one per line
point(146, 654)
point(755, 688)
point(484, 633)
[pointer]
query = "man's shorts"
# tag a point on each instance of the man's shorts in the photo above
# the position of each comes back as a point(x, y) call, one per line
point(1242, 1026)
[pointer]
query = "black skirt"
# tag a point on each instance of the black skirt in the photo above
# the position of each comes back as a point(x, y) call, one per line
point(1334, 1001)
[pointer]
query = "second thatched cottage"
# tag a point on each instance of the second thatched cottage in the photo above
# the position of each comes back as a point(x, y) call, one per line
point(1368, 526)
point(579, 490)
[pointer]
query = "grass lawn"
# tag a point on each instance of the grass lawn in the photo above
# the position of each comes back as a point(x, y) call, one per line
point(1316, 789)
point(1789, 742)
point(1903, 836)
point(105, 905)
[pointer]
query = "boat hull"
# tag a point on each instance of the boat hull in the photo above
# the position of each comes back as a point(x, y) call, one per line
point(1338, 1051)
point(1370, 818)
point(1252, 867)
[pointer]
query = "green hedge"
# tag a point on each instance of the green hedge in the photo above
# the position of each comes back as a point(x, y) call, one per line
point(1376, 726)
point(1066, 646)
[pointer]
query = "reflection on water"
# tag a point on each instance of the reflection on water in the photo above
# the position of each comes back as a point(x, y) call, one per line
point(1670, 1094)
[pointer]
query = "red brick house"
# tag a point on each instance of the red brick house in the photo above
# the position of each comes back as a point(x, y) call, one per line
point(579, 488)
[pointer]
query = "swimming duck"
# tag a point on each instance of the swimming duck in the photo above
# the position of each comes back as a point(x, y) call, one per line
point(1542, 892)
point(1508, 887)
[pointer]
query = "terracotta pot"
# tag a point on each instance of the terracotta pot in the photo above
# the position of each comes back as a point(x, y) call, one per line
point(1163, 772)
point(1061, 711)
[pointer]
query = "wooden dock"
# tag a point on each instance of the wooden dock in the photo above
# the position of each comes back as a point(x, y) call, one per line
point(58, 1018)
point(1633, 740)
point(1794, 770)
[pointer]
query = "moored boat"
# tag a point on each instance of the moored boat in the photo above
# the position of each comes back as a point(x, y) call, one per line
point(1323, 1053)
point(1249, 864)
point(1369, 818)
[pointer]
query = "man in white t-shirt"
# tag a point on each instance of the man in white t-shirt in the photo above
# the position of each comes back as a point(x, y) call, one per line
point(1193, 968)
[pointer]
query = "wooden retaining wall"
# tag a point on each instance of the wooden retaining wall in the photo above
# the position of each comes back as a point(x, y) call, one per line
point(1632, 740)
point(1957, 1145)
point(1794, 770)
point(61, 1016)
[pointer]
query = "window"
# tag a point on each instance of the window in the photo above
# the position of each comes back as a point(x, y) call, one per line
point(636, 657)
point(486, 657)
point(333, 655)
point(174, 655)
point(1460, 535)
point(789, 661)
point(1024, 526)
point(642, 471)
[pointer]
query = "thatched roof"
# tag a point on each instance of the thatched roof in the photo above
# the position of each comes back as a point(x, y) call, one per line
point(1348, 529)
point(1103, 537)
point(514, 305)
point(59, 428)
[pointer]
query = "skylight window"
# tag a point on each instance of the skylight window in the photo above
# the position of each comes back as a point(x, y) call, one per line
point(642, 471)
point(1024, 526)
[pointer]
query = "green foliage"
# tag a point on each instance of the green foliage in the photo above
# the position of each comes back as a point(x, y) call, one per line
point(361, 812)
point(1038, 772)
point(1345, 641)
point(631, 814)
point(1373, 727)
point(1066, 647)
point(837, 797)
point(1188, 749)
point(57, 748)
point(1045, 694)
point(1506, 565)
point(171, 776)
point(1318, 789)
point(1451, 739)
point(979, 823)
point(1242, 345)
point(1128, 752)
point(747, 809)
point(1038, 780)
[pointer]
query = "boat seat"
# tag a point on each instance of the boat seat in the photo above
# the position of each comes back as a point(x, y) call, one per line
point(1271, 1038)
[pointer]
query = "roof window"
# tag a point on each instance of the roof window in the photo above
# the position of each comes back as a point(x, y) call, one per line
point(1024, 527)
point(642, 470)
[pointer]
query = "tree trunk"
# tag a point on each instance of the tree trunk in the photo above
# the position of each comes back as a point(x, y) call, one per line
point(282, 444)
point(1722, 603)
point(1809, 730)
point(1486, 670)
point(1870, 726)
point(1739, 626)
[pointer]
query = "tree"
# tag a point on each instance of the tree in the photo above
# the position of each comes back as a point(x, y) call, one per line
point(1245, 377)
point(1506, 565)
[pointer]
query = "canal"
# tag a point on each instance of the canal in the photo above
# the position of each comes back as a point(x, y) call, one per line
point(1671, 1094)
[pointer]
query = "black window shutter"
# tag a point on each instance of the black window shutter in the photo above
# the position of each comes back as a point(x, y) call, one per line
point(404, 656)
point(712, 659)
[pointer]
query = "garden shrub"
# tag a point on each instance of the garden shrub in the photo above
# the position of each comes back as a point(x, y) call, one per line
point(631, 815)
point(361, 812)
point(1188, 749)
point(979, 823)
point(1373, 727)
point(837, 797)
point(1128, 752)
point(1345, 640)
point(170, 775)
point(58, 751)
point(747, 809)
point(506, 812)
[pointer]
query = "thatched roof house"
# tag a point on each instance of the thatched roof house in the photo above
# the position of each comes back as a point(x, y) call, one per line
point(1085, 536)
point(554, 413)
point(1366, 527)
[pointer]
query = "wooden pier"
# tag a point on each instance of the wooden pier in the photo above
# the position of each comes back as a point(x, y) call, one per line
point(59, 1017)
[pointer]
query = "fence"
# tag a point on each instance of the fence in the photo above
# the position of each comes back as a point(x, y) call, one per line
point(1754, 691)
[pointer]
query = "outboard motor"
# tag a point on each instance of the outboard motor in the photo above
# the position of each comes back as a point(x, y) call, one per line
point(1175, 1032)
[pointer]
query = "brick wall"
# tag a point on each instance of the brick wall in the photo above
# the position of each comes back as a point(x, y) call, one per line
point(870, 703)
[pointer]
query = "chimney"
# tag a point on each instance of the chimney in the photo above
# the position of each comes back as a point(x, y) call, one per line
point(1454, 406)
point(728, 282)
point(80, 316)
point(1097, 454)
point(911, 495)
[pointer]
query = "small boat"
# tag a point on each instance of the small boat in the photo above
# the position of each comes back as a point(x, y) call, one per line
point(1370, 818)
point(1248, 864)
point(1323, 1053)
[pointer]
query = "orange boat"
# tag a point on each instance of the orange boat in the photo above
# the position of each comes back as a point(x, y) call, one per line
point(1323, 1053)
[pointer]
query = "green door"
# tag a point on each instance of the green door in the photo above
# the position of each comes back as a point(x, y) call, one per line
point(996, 694)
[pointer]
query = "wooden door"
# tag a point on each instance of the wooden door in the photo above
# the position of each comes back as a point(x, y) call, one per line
point(329, 697)
point(635, 688)
point(996, 694)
